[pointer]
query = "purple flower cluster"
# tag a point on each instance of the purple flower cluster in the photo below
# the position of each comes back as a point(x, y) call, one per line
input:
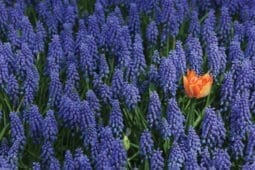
point(76, 76)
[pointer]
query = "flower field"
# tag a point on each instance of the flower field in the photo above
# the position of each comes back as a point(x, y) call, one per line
point(127, 84)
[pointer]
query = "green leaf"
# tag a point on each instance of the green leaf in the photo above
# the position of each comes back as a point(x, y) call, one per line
point(3, 131)
point(146, 165)
point(126, 142)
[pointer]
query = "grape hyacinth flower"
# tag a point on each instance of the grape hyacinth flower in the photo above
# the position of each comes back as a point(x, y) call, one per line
point(248, 166)
point(153, 74)
point(80, 38)
point(237, 147)
point(123, 50)
point(93, 101)
point(156, 160)
point(221, 159)
point(55, 89)
point(193, 140)
point(239, 30)
point(152, 33)
point(13, 152)
point(13, 89)
point(67, 41)
point(47, 152)
point(119, 154)
point(179, 58)
point(88, 54)
point(224, 27)
point(31, 85)
point(235, 51)
point(105, 93)
point(165, 129)
point(4, 147)
point(194, 53)
point(69, 162)
point(102, 161)
point(72, 75)
point(227, 90)
point(28, 34)
point(138, 63)
point(116, 119)
point(250, 49)
point(216, 58)
point(17, 129)
point(55, 54)
point(50, 128)
point(24, 61)
point(167, 76)
point(245, 76)
point(36, 166)
point(208, 27)
point(8, 53)
point(146, 144)
point(240, 116)
point(134, 20)
point(3, 16)
point(191, 161)
point(40, 36)
point(70, 14)
point(81, 160)
point(4, 72)
point(4, 164)
point(156, 57)
point(206, 160)
point(111, 33)
point(54, 163)
point(117, 83)
point(93, 27)
point(154, 110)
point(194, 27)
point(132, 96)
point(70, 112)
point(250, 147)
point(175, 118)
point(35, 123)
point(87, 123)
point(100, 13)
point(103, 67)
point(213, 130)
point(176, 157)
point(169, 17)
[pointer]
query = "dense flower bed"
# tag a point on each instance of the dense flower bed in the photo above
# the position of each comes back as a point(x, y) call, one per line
point(123, 84)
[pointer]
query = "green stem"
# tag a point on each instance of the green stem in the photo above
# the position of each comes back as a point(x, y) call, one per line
point(199, 119)
point(5, 117)
point(203, 18)
point(132, 157)
point(189, 100)
point(32, 154)
point(20, 104)
point(140, 116)
point(173, 43)
point(167, 46)
point(134, 145)
point(3, 131)
point(8, 104)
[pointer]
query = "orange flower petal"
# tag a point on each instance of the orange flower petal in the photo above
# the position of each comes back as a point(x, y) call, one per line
point(197, 86)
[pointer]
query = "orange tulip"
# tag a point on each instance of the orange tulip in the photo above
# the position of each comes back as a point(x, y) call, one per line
point(197, 86)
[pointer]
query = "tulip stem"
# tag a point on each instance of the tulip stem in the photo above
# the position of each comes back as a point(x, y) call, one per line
point(198, 120)
point(189, 100)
